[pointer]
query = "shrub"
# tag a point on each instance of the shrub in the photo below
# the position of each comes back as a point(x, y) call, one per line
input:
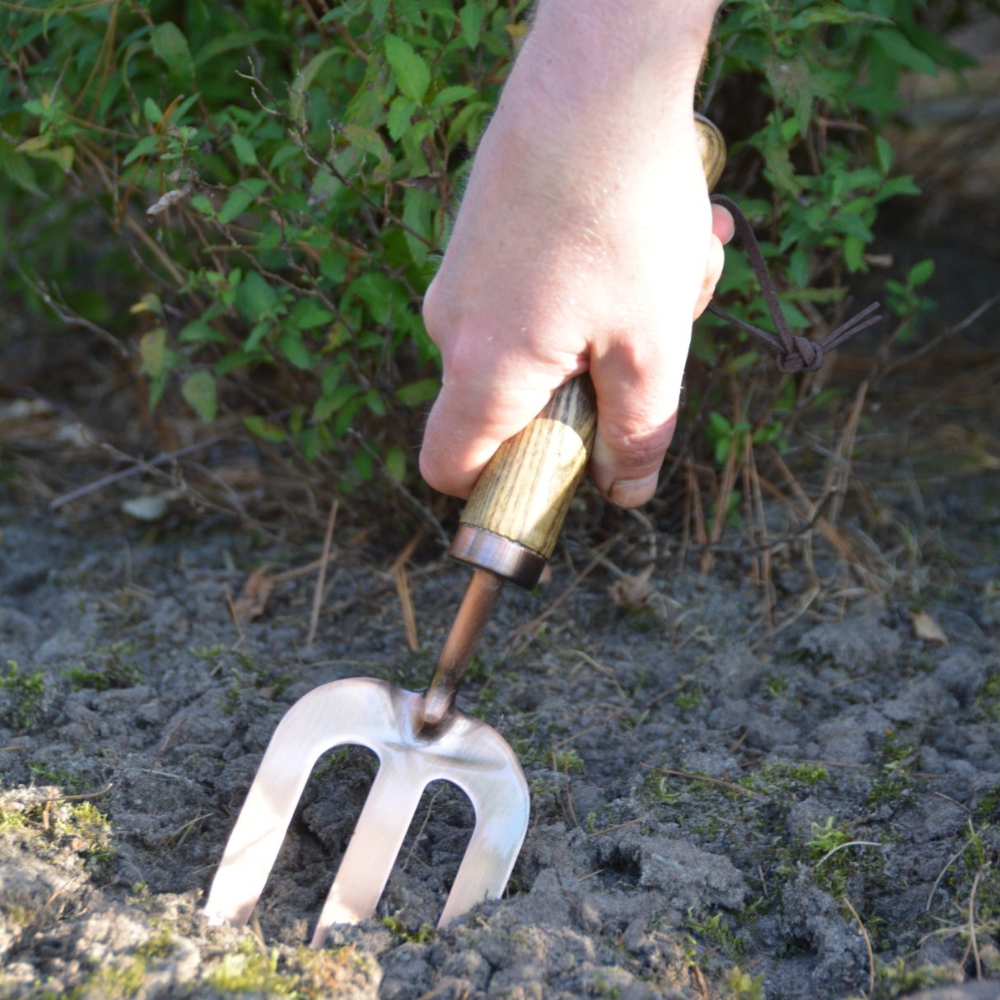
point(272, 182)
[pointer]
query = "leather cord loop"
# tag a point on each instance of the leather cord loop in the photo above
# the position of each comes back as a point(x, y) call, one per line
point(794, 353)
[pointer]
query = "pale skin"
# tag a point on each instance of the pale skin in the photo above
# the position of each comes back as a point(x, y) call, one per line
point(585, 241)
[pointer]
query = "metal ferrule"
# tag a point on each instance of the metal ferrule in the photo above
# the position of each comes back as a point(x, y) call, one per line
point(487, 550)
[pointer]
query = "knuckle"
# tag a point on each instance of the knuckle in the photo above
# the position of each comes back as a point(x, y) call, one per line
point(642, 449)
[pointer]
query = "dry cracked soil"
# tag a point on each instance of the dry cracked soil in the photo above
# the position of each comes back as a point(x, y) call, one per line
point(720, 808)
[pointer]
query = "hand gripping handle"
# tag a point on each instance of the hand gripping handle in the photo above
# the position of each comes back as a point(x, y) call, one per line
point(513, 518)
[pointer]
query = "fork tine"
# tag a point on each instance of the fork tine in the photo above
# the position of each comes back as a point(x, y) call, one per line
point(373, 848)
point(326, 717)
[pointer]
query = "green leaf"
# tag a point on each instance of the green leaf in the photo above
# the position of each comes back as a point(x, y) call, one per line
point(283, 155)
point(884, 153)
point(255, 298)
point(262, 428)
point(199, 390)
point(307, 314)
point(452, 95)
point(304, 80)
point(241, 198)
point(152, 351)
point(147, 144)
point(400, 113)
point(330, 402)
point(418, 207)
point(293, 348)
point(900, 51)
point(171, 47)
point(375, 403)
point(367, 140)
point(203, 205)
point(233, 40)
point(235, 205)
point(395, 462)
point(920, 273)
point(198, 331)
point(151, 111)
point(15, 166)
point(412, 74)
point(416, 393)
point(471, 18)
point(333, 266)
point(244, 150)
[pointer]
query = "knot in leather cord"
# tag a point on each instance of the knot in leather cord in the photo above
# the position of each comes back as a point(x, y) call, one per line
point(794, 353)
point(807, 356)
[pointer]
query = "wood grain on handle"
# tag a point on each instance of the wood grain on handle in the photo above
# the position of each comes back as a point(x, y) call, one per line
point(525, 490)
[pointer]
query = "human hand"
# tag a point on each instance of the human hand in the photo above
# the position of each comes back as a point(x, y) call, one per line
point(585, 241)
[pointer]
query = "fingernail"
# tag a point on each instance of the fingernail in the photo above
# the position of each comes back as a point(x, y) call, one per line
point(633, 492)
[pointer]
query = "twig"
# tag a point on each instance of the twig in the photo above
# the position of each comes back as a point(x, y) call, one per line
point(868, 944)
point(973, 943)
point(233, 614)
point(943, 335)
point(70, 318)
point(525, 635)
point(424, 511)
point(707, 778)
point(324, 560)
point(398, 570)
point(140, 466)
point(850, 843)
point(941, 875)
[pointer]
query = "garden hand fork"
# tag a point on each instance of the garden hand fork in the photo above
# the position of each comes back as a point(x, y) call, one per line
point(507, 532)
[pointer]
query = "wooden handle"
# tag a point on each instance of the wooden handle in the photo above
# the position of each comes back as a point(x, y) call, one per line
point(525, 490)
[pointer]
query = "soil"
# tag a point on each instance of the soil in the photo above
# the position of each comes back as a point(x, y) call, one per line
point(719, 806)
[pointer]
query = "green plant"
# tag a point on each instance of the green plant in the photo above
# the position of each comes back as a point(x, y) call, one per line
point(251, 970)
point(422, 936)
point(895, 779)
point(741, 985)
point(715, 931)
point(268, 186)
point(24, 694)
point(106, 668)
point(294, 168)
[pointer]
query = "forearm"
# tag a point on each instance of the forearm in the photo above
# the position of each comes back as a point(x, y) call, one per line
point(596, 79)
point(609, 54)
point(584, 242)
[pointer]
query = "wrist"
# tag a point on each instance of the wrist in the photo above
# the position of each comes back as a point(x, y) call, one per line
point(604, 53)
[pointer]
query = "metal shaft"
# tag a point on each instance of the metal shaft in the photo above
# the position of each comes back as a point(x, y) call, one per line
point(461, 644)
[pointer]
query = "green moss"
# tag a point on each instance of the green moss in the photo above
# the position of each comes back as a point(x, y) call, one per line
point(250, 971)
point(740, 985)
point(689, 698)
point(112, 982)
point(782, 780)
point(895, 778)
point(422, 936)
point(208, 652)
point(106, 668)
point(24, 694)
point(46, 774)
point(988, 699)
point(716, 932)
point(160, 945)
point(899, 979)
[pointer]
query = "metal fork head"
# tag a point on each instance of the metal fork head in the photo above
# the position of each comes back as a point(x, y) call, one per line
point(387, 720)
